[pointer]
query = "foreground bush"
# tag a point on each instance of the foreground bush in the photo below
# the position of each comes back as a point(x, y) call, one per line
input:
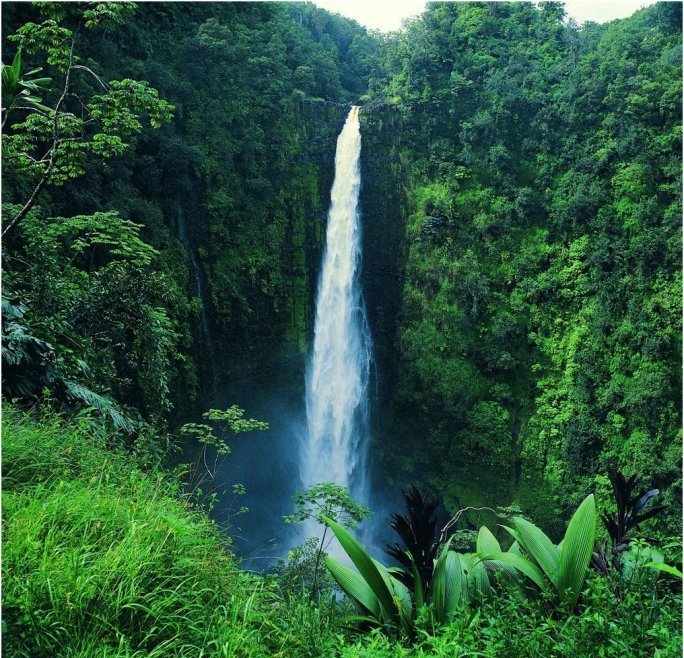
point(642, 625)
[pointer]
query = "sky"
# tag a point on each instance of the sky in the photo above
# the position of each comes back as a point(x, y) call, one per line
point(387, 15)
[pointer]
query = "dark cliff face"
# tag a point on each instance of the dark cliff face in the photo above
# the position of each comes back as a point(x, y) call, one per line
point(267, 331)
point(383, 219)
point(383, 213)
point(280, 330)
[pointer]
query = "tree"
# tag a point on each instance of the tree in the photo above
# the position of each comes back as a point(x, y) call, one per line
point(89, 285)
point(50, 145)
point(322, 501)
point(228, 420)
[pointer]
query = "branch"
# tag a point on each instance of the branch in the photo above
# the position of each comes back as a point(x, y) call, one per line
point(82, 104)
point(55, 142)
point(456, 518)
point(20, 107)
point(31, 158)
point(97, 77)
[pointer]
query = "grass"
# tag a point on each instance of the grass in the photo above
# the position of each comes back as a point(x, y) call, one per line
point(102, 559)
point(639, 626)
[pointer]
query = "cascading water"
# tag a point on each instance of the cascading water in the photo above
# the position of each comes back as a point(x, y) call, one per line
point(197, 278)
point(338, 373)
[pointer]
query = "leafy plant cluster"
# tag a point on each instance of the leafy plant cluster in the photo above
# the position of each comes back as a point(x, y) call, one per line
point(454, 584)
point(103, 558)
point(228, 188)
point(91, 317)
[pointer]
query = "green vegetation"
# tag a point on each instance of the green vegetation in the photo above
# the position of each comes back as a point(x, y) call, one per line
point(230, 191)
point(166, 170)
point(461, 579)
point(320, 503)
point(540, 327)
point(104, 558)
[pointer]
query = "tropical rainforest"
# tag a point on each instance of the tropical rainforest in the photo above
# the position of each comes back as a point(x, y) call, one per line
point(167, 169)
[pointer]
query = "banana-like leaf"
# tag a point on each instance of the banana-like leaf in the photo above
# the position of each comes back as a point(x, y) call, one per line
point(578, 545)
point(520, 563)
point(515, 534)
point(455, 580)
point(446, 588)
point(36, 83)
point(511, 575)
point(404, 604)
point(367, 569)
point(508, 574)
point(355, 587)
point(384, 573)
point(538, 547)
point(486, 542)
point(665, 568)
point(479, 585)
point(400, 595)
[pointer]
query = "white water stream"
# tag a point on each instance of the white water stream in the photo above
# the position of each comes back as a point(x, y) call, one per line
point(335, 447)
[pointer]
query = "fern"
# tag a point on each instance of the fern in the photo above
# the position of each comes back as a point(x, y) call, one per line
point(102, 404)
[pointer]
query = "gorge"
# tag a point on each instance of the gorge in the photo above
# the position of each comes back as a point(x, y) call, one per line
point(447, 257)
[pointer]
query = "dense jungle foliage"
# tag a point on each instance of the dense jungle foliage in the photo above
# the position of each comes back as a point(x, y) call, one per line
point(541, 312)
point(167, 169)
point(230, 193)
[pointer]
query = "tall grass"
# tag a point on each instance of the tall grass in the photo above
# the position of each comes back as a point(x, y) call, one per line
point(101, 559)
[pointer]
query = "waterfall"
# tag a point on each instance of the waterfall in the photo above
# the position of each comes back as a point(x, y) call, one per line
point(199, 289)
point(338, 372)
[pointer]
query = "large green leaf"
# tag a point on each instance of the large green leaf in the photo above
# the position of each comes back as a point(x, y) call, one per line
point(487, 542)
point(538, 547)
point(578, 545)
point(478, 579)
point(454, 579)
point(665, 568)
point(446, 588)
point(367, 568)
point(515, 534)
point(508, 574)
point(402, 596)
point(383, 571)
point(520, 563)
point(354, 586)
